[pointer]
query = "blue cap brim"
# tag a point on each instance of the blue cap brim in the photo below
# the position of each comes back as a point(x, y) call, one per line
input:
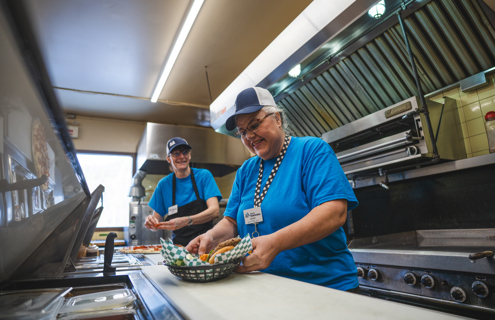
point(178, 145)
point(230, 123)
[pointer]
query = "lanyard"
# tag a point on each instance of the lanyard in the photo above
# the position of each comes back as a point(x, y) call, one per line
point(257, 198)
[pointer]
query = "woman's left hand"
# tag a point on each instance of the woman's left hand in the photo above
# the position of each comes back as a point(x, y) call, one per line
point(265, 249)
point(173, 224)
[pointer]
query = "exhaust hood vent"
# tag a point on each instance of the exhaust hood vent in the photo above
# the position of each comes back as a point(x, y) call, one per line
point(218, 153)
point(451, 41)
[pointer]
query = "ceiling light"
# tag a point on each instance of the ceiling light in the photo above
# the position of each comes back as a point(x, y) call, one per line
point(377, 10)
point(295, 72)
point(186, 27)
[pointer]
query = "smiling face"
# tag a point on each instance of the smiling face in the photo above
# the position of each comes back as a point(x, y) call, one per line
point(179, 160)
point(267, 138)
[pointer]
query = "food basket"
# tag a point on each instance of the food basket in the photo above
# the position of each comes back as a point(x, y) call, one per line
point(204, 273)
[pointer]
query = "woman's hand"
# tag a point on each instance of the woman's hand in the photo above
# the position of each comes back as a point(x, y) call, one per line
point(174, 224)
point(223, 230)
point(151, 222)
point(201, 244)
point(264, 251)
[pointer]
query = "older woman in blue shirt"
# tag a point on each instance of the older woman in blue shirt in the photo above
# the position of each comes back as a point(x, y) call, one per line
point(292, 198)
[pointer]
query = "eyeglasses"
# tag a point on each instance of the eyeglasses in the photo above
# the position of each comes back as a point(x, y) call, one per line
point(252, 127)
point(177, 153)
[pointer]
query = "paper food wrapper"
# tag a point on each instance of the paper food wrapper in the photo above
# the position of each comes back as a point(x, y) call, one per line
point(179, 256)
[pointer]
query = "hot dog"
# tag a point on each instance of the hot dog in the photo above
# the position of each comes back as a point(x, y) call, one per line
point(221, 248)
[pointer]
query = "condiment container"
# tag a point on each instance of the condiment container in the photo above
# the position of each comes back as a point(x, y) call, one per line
point(105, 300)
point(490, 130)
point(41, 304)
point(92, 251)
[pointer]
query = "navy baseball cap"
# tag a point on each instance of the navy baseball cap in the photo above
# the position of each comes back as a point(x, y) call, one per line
point(248, 101)
point(176, 142)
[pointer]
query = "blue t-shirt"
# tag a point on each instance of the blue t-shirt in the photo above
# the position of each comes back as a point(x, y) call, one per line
point(184, 192)
point(308, 176)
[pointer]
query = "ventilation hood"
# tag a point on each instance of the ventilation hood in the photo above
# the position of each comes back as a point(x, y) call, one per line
point(358, 65)
point(218, 153)
point(452, 41)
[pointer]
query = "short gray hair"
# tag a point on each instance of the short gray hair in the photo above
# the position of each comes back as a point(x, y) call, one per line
point(273, 109)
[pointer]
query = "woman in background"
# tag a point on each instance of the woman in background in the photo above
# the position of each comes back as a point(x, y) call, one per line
point(187, 198)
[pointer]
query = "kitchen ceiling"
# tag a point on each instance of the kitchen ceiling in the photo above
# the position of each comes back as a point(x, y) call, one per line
point(105, 57)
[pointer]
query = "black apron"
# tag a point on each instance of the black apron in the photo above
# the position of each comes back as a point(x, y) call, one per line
point(184, 235)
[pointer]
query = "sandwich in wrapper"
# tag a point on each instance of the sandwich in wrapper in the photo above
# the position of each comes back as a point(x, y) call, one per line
point(236, 249)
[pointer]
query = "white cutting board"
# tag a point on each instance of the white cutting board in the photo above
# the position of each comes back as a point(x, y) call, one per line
point(264, 296)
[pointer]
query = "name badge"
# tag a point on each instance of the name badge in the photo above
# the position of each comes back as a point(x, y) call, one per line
point(173, 209)
point(253, 215)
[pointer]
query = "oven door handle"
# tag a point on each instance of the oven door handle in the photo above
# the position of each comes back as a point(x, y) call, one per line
point(374, 149)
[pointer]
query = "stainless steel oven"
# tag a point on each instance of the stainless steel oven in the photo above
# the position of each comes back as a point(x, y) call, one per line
point(397, 137)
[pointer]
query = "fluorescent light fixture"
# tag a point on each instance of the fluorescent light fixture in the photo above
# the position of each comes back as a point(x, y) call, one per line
point(377, 10)
point(186, 27)
point(295, 72)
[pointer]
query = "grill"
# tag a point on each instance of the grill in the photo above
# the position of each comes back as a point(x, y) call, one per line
point(431, 268)
point(428, 240)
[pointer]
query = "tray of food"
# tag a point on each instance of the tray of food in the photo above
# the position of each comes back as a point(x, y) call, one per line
point(152, 248)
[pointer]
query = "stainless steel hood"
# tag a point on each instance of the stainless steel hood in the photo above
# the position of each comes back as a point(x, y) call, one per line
point(216, 152)
point(451, 40)
point(351, 70)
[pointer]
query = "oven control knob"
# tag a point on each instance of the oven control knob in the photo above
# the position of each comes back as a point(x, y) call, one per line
point(373, 274)
point(361, 272)
point(458, 294)
point(410, 278)
point(480, 289)
point(428, 281)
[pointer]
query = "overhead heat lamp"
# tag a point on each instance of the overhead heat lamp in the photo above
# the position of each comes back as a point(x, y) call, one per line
point(186, 27)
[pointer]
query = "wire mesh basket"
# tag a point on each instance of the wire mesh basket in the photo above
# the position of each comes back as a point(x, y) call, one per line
point(204, 273)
